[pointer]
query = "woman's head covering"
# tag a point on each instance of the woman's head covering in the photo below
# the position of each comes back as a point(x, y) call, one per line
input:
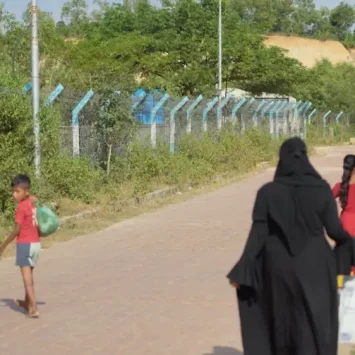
point(294, 211)
point(294, 166)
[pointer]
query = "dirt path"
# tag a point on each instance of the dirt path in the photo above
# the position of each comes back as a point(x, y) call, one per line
point(152, 285)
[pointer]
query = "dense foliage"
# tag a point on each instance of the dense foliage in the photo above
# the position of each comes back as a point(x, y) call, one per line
point(172, 47)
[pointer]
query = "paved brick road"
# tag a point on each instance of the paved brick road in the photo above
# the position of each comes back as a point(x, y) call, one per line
point(152, 285)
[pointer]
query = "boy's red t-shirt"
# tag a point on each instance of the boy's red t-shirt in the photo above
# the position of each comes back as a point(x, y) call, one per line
point(27, 220)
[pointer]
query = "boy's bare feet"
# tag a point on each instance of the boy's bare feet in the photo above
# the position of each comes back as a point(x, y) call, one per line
point(21, 304)
point(34, 313)
point(27, 275)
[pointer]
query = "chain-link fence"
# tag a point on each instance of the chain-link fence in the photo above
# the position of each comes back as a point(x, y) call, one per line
point(160, 118)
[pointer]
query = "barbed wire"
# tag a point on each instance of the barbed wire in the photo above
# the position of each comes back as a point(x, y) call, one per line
point(178, 118)
point(275, 116)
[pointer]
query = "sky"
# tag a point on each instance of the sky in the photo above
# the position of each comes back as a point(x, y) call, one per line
point(54, 6)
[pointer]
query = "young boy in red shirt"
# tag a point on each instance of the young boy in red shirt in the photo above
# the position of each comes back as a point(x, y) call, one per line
point(28, 245)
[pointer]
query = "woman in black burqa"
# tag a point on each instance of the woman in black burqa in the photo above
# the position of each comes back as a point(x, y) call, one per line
point(286, 277)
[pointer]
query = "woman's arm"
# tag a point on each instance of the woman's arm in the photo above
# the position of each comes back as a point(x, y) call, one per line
point(246, 271)
point(332, 222)
point(344, 250)
point(336, 190)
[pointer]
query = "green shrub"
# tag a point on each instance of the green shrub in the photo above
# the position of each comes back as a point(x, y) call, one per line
point(50, 120)
point(197, 161)
point(331, 134)
point(63, 176)
point(16, 143)
point(73, 178)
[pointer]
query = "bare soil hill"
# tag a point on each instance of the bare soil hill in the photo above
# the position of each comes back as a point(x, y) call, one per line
point(310, 51)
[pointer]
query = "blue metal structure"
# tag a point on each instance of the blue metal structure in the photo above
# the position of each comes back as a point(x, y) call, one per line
point(208, 108)
point(310, 116)
point(53, 96)
point(150, 98)
point(236, 108)
point(27, 88)
point(189, 111)
point(156, 108)
point(220, 107)
point(75, 121)
point(173, 112)
point(255, 116)
point(338, 116)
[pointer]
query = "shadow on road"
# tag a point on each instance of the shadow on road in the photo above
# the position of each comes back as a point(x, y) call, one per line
point(225, 350)
point(8, 302)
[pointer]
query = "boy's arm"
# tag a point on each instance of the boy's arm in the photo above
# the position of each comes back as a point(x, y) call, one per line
point(10, 238)
point(33, 199)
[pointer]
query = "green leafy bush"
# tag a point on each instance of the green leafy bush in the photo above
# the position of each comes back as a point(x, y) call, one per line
point(60, 175)
point(16, 143)
point(73, 178)
point(197, 161)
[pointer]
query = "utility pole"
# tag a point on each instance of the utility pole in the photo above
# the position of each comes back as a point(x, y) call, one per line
point(219, 47)
point(35, 88)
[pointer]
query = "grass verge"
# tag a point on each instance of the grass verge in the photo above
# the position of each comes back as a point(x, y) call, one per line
point(108, 215)
point(201, 164)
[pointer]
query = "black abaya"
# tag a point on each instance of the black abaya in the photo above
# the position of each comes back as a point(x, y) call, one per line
point(287, 273)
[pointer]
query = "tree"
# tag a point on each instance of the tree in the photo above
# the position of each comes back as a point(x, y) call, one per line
point(74, 14)
point(116, 125)
point(174, 47)
point(342, 19)
point(101, 6)
point(116, 20)
point(304, 17)
point(8, 20)
point(47, 32)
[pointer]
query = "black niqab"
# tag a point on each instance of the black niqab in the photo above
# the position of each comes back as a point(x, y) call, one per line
point(287, 275)
point(294, 167)
point(296, 216)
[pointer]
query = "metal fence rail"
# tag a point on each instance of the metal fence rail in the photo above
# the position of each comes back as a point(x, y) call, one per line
point(164, 118)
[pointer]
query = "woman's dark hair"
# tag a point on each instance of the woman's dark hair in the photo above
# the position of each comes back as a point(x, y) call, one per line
point(348, 167)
